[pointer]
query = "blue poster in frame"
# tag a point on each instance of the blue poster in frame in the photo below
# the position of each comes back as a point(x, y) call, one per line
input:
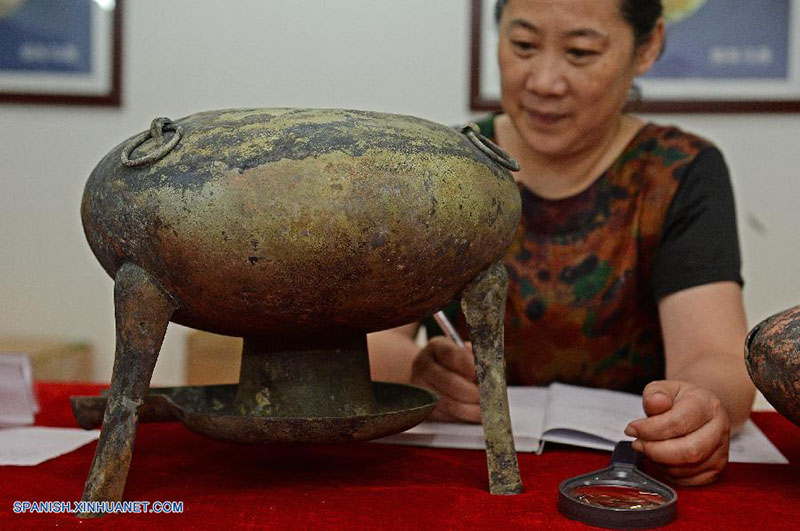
point(727, 56)
point(60, 51)
point(47, 35)
point(710, 39)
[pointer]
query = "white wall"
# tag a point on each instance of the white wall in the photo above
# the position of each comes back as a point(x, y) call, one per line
point(410, 57)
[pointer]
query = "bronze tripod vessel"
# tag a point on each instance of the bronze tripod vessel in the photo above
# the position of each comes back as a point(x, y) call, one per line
point(300, 230)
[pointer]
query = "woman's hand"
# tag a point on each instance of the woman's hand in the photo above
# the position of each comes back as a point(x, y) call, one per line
point(449, 370)
point(686, 432)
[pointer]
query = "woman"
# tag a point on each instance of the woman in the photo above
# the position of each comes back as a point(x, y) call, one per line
point(625, 267)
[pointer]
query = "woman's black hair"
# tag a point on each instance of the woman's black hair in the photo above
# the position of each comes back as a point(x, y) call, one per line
point(642, 16)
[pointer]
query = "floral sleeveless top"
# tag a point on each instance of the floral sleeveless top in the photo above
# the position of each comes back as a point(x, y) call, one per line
point(581, 308)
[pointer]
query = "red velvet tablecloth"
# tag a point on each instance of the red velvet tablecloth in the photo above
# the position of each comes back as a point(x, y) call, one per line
point(368, 485)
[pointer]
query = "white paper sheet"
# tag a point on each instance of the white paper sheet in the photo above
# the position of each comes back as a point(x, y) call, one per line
point(599, 412)
point(750, 445)
point(32, 445)
point(527, 407)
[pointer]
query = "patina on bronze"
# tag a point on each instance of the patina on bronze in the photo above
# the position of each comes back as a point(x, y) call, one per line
point(772, 356)
point(484, 303)
point(300, 230)
point(209, 410)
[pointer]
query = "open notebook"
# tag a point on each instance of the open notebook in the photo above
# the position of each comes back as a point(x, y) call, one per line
point(579, 416)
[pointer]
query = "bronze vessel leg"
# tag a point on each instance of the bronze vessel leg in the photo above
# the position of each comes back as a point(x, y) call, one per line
point(142, 311)
point(483, 302)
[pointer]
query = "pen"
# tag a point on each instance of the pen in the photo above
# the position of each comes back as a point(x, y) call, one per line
point(448, 328)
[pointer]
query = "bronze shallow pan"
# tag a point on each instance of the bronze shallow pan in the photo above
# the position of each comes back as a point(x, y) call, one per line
point(208, 410)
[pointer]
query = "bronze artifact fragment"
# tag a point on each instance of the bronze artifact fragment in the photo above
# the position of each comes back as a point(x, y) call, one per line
point(772, 356)
point(302, 231)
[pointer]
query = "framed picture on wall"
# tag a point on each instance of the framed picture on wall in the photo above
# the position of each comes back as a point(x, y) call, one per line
point(720, 56)
point(60, 51)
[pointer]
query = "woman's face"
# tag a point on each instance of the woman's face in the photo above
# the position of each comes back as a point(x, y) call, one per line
point(566, 69)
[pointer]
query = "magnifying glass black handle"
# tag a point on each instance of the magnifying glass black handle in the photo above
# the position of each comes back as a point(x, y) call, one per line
point(625, 455)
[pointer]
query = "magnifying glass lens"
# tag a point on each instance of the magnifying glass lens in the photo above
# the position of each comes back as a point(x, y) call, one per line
point(617, 497)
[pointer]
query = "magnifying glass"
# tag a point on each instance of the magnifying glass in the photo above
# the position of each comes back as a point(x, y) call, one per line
point(618, 497)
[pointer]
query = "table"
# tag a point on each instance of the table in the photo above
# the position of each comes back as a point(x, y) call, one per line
point(368, 485)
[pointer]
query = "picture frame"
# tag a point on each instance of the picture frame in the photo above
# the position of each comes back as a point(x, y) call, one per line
point(708, 66)
point(56, 52)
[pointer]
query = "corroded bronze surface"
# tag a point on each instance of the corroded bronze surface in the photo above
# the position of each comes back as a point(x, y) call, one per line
point(305, 380)
point(301, 230)
point(279, 221)
point(88, 410)
point(142, 312)
point(484, 305)
point(209, 410)
point(772, 355)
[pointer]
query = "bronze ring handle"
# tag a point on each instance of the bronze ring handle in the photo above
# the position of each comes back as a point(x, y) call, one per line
point(492, 150)
point(157, 129)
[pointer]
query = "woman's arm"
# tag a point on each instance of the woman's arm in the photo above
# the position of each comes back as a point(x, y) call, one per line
point(392, 352)
point(707, 391)
point(704, 329)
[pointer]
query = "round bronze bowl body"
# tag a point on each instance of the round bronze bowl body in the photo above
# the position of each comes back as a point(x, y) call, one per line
point(772, 355)
point(291, 222)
